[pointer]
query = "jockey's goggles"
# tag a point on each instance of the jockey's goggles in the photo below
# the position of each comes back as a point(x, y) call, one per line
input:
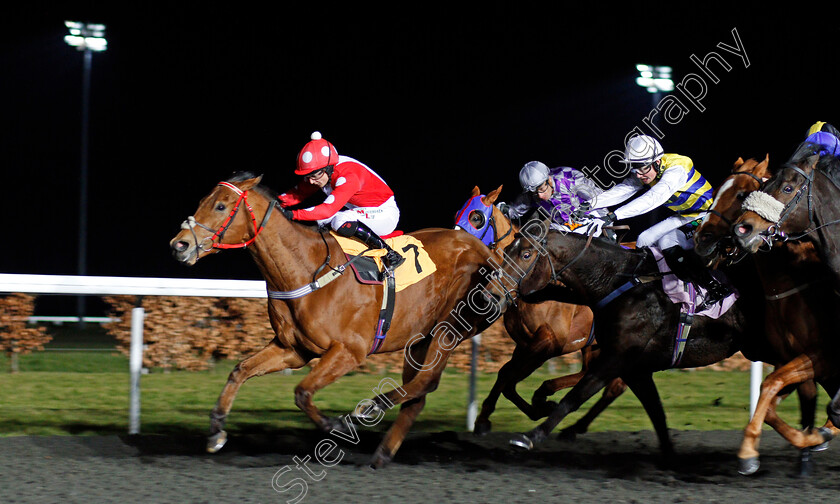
point(315, 174)
point(641, 168)
point(542, 187)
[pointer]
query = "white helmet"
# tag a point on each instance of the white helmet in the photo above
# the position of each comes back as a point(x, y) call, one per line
point(532, 175)
point(642, 151)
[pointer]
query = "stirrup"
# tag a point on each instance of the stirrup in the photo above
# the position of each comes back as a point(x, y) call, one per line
point(714, 295)
point(393, 259)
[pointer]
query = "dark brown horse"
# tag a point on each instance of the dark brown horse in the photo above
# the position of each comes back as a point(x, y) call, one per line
point(540, 330)
point(635, 328)
point(798, 311)
point(801, 202)
point(337, 322)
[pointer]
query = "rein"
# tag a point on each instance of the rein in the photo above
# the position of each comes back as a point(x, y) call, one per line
point(497, 239)
point(218, 234)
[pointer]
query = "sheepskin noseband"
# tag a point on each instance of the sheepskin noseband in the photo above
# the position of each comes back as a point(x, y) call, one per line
point(768, 207)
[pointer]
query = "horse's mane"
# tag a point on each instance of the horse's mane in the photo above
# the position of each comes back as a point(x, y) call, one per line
point(828, 164)
point(242, 176)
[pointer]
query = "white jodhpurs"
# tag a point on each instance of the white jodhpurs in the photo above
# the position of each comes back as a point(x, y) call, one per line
point(382, 220)
point(666, 233)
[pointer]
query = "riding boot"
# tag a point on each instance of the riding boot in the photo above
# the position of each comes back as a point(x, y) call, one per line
point(356, 229)
point(688, 266)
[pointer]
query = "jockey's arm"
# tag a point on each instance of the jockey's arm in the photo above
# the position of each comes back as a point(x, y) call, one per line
point(520, 206)
point(297, 194)
point(334, 202)
point(618, 193)
point(672, 179)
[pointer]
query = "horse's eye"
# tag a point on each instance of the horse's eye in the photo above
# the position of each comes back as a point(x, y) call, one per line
point(788, 189)
point(220, 207)
point(477, 219)
point(526, 254)
point(741, 196)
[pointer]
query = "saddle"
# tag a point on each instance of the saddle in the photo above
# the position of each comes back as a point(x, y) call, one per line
point(368, 269)
point(689, 297)
point(367, 263)
point(686, 293)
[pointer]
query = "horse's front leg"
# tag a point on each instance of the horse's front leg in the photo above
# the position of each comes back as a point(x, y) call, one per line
point(335, 363)
point(408, 410)
point(611, 392)
point(645, 389)
point(798, 370)
point(602, 371)
point(270, 359)
point(522, 364)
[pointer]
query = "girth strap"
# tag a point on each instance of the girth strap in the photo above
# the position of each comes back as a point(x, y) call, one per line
point(385, 313)
point(633, 282)
point(684, 326)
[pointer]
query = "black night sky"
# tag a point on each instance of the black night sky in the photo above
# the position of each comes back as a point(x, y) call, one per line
point(436, 97)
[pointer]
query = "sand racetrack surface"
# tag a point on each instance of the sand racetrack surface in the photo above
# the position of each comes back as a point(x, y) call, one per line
point(608, 467)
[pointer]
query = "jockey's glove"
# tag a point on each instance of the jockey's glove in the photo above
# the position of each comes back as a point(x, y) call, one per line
point(504, 208)
point(287, 213)
point(609, 219)
point(581, 213)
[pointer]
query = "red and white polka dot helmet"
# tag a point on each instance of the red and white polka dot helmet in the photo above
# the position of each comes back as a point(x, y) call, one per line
point(316, 154)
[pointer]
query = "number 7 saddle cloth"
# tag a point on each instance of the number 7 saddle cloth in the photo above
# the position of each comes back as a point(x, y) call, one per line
point(369, 268)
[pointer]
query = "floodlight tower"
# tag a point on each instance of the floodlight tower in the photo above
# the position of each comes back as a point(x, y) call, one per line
point(88, 38)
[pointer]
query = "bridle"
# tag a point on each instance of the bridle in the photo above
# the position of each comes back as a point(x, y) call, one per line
point(735, 253)
point(462, 220)
point(215, 241)
point(555, 275)
point(752, 176)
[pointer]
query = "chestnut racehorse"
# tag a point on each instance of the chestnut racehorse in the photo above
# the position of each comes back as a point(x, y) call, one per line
point(337, 321)
point(541, 330)
point(798, 311)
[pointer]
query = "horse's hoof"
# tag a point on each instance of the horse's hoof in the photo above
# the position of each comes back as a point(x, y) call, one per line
point(827, 437)
point(522, 441)
point(748, 466)
point(337, 424)
point(482, 428)
point(380, 459)
point(370, 413)
point(216, 441)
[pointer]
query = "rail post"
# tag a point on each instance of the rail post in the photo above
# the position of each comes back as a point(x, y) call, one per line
point(135, 365)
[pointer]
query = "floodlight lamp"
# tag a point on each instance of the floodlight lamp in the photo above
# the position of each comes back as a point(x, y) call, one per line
point(86, 36)
point(654, 78)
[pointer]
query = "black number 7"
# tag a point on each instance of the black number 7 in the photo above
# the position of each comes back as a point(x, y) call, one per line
point(416, 256)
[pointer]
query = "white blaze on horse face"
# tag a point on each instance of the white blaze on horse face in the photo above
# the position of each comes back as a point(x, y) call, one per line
point(721, 191)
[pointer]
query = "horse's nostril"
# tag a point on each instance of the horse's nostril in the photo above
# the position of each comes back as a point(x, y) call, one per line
point(742, 229)
point(180, 246)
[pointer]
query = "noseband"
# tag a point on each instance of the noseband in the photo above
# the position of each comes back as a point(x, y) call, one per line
point(218, 234)
point(726, 246)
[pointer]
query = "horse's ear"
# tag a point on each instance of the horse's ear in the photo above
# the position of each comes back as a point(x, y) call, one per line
point(492, 197)
point(247, 185)
point(762, 167)
point(738, 163)
point(476, 191)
